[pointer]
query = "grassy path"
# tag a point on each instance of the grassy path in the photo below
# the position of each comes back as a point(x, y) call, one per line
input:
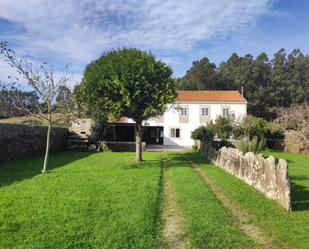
point(289, 228)
point(174, 232)
point(243, 219)
point(207, 222)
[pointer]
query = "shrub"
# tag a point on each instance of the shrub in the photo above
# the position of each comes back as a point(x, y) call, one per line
point(252, 126)
point(203, 133)
point(194, 147)
point(223, 127)
point(254, 145)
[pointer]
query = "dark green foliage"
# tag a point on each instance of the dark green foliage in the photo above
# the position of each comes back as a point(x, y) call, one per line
point(127, 82)
point(203, 133)
point(201, 76)
point(267, 84)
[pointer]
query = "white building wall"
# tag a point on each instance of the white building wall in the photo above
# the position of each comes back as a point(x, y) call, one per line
point(171, 119)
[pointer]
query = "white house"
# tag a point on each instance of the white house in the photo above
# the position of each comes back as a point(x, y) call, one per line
point(190, 110)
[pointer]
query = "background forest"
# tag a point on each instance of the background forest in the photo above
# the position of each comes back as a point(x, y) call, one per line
point(268, 83)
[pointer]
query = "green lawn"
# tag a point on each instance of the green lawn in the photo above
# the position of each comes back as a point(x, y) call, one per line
point(291, 228)
point(209, 224)
point(87, 200)
point(105, 200)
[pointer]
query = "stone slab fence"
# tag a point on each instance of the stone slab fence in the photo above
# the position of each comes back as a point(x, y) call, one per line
point(262, 173)
point(20, 141)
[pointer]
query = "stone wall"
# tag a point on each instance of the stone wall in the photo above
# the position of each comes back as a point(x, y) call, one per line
point(261, 173)
point(19, 141)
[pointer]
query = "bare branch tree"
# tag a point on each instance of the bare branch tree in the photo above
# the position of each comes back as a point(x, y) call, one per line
point(42, 81)
point(295, 117)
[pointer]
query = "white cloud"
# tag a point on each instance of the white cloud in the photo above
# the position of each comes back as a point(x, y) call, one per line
point(78, 31)
point(6, 71)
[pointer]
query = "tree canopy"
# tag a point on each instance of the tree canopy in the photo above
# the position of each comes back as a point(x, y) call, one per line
point(127, 82)
point(268, 83)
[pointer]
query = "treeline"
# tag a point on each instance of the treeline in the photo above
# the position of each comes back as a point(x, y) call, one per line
point(7, 108)
point(267, 83)
point(10, 98)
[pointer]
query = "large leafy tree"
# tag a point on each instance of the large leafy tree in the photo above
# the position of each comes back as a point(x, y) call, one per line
point(127, 82)
point(202, 75)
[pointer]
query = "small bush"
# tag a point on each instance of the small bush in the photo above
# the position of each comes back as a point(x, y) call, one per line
point(251, 127)
point(254, 145)
point(203, 133)
point(223, 127)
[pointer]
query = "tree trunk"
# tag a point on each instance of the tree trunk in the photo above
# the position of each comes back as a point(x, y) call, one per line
point(138, 140)
point(45, 166)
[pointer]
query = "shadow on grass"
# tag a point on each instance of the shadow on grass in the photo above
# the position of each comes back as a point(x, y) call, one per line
point(299, 194)
point(142, 165)
point(18, 170)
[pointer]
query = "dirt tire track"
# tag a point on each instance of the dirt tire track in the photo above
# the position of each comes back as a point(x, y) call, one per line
point(174, 232)
point(242, 218)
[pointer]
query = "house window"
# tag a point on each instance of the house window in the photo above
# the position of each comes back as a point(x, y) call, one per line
point(225, 111)
point(175, 132)
point(184, 111)
point(205, 111)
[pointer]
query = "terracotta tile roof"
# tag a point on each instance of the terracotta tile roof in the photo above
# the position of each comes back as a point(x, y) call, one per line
point(223, 96)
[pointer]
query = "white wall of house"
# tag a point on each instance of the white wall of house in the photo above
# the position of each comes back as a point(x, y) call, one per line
point(171, 119)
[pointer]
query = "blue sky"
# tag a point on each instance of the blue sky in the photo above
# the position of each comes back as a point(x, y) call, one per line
point(175, 31)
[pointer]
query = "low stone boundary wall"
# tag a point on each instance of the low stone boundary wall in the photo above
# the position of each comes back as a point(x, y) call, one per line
point(20, 141)
point(261, 173)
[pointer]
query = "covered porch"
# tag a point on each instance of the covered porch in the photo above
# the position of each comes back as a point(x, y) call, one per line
point(125, 132)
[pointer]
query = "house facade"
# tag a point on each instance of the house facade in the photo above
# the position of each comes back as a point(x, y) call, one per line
point(190, 110)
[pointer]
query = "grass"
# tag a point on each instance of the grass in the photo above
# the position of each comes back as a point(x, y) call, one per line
point(291, 228)
point(208, 223)
point(87, 200)
point(58, 120)
point(104, 200)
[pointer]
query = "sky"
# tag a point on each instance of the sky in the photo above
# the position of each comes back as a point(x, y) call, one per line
point(76, 32)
